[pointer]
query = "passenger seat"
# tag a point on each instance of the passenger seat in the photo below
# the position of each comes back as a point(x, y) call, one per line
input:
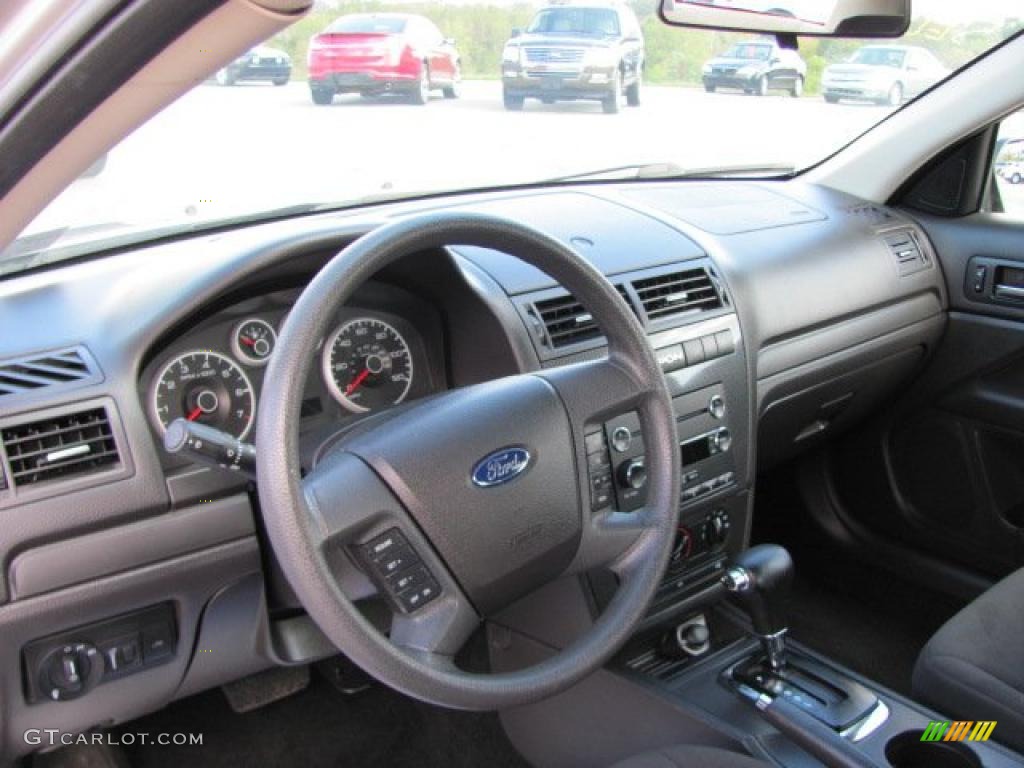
point(973, 667)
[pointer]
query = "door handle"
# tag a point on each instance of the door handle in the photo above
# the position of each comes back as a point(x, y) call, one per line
point(1009, 292)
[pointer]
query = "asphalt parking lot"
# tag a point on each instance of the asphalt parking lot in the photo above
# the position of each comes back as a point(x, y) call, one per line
point(224, 150)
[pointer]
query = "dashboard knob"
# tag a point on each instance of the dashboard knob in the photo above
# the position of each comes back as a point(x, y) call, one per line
point(716, 406)
point(70, 670)
point(633, 474)
point(718, 526)
point(722, 440)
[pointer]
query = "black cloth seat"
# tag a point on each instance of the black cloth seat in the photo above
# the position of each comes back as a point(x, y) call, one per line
point(683, 756)
point(973, 667)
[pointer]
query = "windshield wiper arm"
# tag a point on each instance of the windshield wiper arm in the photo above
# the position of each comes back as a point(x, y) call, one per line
point(674, 171)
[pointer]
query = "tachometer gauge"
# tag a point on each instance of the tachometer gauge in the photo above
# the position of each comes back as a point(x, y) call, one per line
point(253, 340)
point(367, 365)
point(206, 387)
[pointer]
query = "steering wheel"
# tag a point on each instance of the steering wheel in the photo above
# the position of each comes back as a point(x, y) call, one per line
point(483, 491)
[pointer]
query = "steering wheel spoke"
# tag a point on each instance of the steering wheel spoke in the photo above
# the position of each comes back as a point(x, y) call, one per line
point(595, 392)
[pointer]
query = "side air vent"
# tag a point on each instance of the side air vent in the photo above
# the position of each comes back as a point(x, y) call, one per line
point(60, 447)
point(909, 255)
point(677, 293)
point(50, 369)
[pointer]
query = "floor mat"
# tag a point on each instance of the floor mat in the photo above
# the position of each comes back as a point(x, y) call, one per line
point(869, 620)
point(320, 727)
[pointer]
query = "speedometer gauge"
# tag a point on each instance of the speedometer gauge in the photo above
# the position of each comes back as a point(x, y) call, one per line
point(367, 365)
point(205, 387)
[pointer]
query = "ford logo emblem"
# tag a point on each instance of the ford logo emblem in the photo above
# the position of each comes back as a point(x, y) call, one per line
point(500, 467)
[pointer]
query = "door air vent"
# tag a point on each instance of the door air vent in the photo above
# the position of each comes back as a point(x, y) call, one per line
point(566, 322)
point(49, 369)
point(909, 255)
point(59, 447)
point(677, 293)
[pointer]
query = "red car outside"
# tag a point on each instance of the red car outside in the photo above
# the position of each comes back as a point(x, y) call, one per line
point(378, 53)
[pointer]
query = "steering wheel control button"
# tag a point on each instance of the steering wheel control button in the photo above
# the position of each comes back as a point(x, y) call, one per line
point(599, 468)
point(633, 474)
point(622, 438)
point(382, 546)
point(398, 560)
point(395, 566)
point(410, 579)
point(416, 597)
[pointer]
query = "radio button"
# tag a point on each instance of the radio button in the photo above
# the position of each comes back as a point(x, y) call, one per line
point(710, 347)
point(671, 358)
point(694, 351)
point(716, 406)
point(726, 344)
point(721, 441)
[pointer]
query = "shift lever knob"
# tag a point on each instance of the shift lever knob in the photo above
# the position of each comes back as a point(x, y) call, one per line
point(759, 580)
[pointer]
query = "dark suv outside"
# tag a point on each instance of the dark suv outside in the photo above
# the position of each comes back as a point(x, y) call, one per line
point(576, 51)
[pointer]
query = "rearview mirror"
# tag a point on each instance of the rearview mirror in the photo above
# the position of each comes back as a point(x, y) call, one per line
point(516, 32)
point(817, 18)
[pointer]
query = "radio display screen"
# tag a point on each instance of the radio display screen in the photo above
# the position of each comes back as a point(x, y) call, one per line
point(694, 450)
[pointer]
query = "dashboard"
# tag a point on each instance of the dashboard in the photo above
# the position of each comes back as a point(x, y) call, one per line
point(782, 313)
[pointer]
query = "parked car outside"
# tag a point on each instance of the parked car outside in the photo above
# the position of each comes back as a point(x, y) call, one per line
point(884, 74)
point(1013, 172)
point(575, 52)
point(260, 63)
point(756, 67)
point(379, 53)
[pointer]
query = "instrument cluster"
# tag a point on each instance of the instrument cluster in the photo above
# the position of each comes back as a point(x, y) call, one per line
point(369, 361)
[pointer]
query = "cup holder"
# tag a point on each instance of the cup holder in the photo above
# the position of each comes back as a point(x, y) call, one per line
point(908, 751)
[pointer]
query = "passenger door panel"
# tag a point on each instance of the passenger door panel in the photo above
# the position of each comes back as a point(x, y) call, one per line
point(943, 472)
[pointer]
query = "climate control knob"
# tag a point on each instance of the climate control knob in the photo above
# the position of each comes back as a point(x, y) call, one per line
point(633, 474)
point(718, 526)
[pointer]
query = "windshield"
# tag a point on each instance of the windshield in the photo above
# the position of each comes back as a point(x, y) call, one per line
point(879, 57)
point(575, 21)
point(374, 24)
point(338, 110)
point(747, 51)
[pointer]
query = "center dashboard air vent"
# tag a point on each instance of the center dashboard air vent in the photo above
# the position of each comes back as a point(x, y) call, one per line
point(566, 322)
point(910, 256)
point(660, 298)
point(55, 450)
point(677, 293)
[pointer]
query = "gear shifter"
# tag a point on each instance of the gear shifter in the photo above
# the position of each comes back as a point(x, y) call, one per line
point(759, 580)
